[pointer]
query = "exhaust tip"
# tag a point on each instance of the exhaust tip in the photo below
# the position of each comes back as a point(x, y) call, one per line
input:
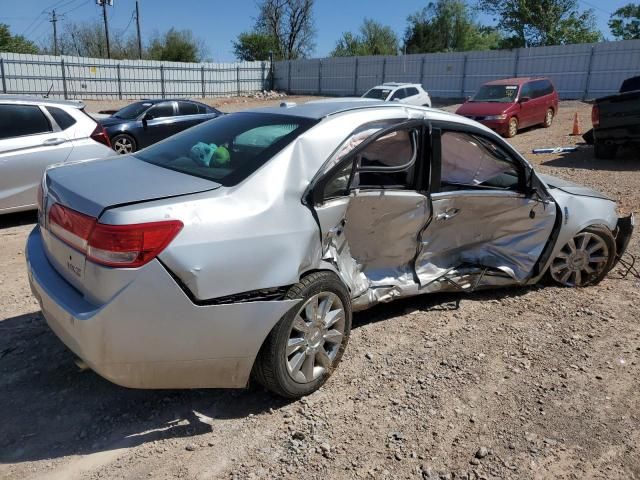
point(81, 364)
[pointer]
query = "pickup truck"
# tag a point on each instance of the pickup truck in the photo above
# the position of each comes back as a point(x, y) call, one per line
point(616, 119)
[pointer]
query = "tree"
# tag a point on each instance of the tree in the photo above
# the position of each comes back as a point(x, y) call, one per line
point(625, 22)
point(373, 39)
point(447, 26)
point(529, 23)
point(290, 23)
point(87, 40)
point(252, 46)
point(15, 43)
point(176, 46)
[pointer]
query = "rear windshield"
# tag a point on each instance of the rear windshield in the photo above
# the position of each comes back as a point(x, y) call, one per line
point(378, 93)
point(497, 93)
point(227, 149)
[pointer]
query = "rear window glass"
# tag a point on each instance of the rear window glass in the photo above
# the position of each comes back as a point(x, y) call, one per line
point(132, 111)
point(62, 118)
point(227, 149)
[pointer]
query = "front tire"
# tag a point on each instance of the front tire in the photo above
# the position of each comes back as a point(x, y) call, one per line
point(124, 144)
point(586, 259)
point(306, 345)
point(512, 128)
point(548, 118)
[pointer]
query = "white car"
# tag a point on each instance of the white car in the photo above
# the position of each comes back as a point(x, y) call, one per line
point(410, 93)
point(36, 133)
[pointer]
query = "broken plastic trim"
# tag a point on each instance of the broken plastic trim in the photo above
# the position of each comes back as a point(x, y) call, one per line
point(260, 295)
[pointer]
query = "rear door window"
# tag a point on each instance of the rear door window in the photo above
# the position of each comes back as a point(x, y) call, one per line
point(399, 94)
point(187, 108)
point(62, 118)
point(411, 91)
point(22, 120)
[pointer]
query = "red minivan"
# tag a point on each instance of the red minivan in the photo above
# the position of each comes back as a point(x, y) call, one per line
point(513, 103)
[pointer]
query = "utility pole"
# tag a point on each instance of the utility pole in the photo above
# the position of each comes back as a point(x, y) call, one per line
point(138, 27)
point(103, 4)
point(54, 20)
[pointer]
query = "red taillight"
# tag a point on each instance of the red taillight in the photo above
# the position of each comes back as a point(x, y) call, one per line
point(595, 116)
point(99, 134)
point(112, 245)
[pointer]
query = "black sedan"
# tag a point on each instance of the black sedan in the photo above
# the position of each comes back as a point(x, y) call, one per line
point(144, 123)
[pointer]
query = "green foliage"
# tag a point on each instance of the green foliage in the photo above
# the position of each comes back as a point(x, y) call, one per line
point(625, 22)
point(175, 46)
point(373, 39)
point(447, 26)
point(15, 43)
point(530, 23)
point(252, 46)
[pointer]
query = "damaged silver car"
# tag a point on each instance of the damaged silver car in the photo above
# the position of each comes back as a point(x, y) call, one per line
point(239, 248)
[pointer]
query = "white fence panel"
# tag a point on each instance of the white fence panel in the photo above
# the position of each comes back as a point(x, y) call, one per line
point(578, 71)
point(98, 78)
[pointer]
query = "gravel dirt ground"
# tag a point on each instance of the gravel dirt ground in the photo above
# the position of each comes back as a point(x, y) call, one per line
point(528, 383)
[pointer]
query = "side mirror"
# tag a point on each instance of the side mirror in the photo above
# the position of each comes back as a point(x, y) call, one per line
point(467, 98)
point(524, 99)
point(396, 100)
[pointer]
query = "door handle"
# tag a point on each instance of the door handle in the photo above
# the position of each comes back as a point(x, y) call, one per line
point(53, 141)
point(447, 214)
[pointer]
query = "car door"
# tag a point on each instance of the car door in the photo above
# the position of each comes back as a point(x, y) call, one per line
point(539, 102)
point(30, 141)
point(412, 96)
point(526, 115)
point(158, 123)
point(485, 218)
point(399, 95)
point(370, 208)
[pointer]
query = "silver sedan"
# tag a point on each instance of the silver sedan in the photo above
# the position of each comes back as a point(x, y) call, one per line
point(240, 248)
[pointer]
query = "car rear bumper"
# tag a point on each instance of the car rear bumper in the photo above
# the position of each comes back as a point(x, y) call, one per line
point(150, 335)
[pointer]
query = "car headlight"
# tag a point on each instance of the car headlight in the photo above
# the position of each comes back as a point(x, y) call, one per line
point(496, 117)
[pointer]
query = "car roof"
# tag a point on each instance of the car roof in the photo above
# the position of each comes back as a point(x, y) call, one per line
point(398, 84)
point(8, 98)
point(514, 80)
point(319, 109)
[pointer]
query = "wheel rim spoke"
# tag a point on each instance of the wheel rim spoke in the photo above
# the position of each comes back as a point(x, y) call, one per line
point(599, 259)
point(577, 278)
point(294, 345)
point(316, 333)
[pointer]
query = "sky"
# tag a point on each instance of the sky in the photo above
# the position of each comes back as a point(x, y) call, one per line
point(218, 22)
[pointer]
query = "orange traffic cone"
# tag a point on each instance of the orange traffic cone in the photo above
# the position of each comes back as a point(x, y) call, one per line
point(576, 125)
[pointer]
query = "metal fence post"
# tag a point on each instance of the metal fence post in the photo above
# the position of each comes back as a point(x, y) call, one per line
point(384, 68)
point(422, 70)
point(4, 80)
point(119, 82)
point(464, 76)
point(162, 80)
point(204, 88)
point(587, 83)
point(355, 80)
point(320, 77)
point(64, 79)
point(515, 67)
point(262, 79)
point(289, 79)
point(271, 72)
point(238, 78)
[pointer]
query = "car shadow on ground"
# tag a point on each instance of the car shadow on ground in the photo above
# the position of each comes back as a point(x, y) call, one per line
point(50, 409)
point(17, 219)
point(627, 160)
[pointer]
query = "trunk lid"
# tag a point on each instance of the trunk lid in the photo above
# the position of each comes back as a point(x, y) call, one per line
point(90, 187)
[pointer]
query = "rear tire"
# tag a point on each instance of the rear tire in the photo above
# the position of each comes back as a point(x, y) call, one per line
point(124, 144)
point(306, 345)
point(604, 151)
point(512, 128)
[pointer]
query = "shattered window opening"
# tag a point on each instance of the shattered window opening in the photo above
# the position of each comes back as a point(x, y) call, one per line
point(472, 161)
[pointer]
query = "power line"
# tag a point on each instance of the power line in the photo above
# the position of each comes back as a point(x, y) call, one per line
point(595, 7)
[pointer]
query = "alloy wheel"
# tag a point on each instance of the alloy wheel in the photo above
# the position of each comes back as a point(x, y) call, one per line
point(548, 119)
point(123, 145)
point(581, 260)
point(315, 337)
point(513, 127)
